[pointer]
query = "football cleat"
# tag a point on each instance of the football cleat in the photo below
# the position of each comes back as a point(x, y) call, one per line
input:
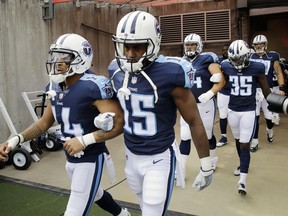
point(124, 212)
point(237, 171)
point(223, 141)
point(276, 118)
point(242, 188)
point(254, 144)
point(270, 135)
point(214, 161)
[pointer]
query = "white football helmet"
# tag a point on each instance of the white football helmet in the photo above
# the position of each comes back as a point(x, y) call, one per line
point(191, 39)
point(137, 27)
point(238, 54)
point(258, 40)
point(73, 50)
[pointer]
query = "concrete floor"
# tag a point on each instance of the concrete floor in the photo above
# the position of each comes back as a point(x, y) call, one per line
point(267, 190)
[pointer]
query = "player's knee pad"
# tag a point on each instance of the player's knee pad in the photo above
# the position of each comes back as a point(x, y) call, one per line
point(133, 181)
point(99, 194)
point(185, 133)
point(154, 188)
point(72, 212)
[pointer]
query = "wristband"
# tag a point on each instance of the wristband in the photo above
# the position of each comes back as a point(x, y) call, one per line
point(16, 140)
point(87, 139)
point(206, 163)
point(282, 88)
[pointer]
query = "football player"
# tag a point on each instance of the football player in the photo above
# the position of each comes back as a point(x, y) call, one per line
point(271, 61)
point(244, 77)
point(77, 96)
point(222, 104)
point(208, 80)
point(150, 89)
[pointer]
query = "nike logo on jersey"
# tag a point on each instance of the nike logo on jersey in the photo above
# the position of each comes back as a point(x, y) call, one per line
point(156, 161)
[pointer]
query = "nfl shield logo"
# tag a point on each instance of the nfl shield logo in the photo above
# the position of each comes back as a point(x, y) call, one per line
point(61, 96)
point(134, 80)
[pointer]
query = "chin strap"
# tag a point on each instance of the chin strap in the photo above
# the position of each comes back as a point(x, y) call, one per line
point(124, 89)
point(152, 84)
point(51, 94)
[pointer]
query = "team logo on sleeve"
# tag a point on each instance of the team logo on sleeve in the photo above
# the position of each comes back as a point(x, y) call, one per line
point(108, 90)
point(191, 77)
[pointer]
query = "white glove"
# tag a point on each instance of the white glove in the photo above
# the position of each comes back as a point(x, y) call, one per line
point(203, 98)
point(51, 94)
point(259, 95)
point(104, 121)
point(215, 78)
point(204, 177)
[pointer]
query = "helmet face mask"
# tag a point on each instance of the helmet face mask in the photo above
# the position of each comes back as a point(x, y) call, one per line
point(260, 44)
point(137, 27)
point(71, 50)
point(193, 39)
point(238, 54)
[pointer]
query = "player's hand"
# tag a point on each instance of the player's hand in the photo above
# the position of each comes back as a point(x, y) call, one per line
point(203, 179)
point(104, 121)
point(259, 95)
point(74, 147)
point(4, 150)
point(203, 98)
point(51, 94)
point(216, 78)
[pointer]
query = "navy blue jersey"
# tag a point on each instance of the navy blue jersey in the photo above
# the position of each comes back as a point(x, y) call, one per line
point(148, 125)
point(243, 85)
point(268, 60)
point(221, 58)
point(72, 109)
point(226, 89)
point(202, 75)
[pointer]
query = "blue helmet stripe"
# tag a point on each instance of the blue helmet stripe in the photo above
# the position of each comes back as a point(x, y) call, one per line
point(133, 27)
point(132, 30)
point(63, 39)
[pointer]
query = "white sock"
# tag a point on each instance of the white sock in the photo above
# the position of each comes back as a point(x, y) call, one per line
point(213, 153)
point(243, 177)
point(184, 159)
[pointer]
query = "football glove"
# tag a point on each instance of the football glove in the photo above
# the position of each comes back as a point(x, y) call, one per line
point(204, 177)
point(259, 95)
point(203, 98)
point(104, 121)
point(51, 94)
point(215, 78)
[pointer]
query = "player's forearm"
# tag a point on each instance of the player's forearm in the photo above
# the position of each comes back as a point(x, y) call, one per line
point(200, 141)
point(34, 131)
point(102, 136)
